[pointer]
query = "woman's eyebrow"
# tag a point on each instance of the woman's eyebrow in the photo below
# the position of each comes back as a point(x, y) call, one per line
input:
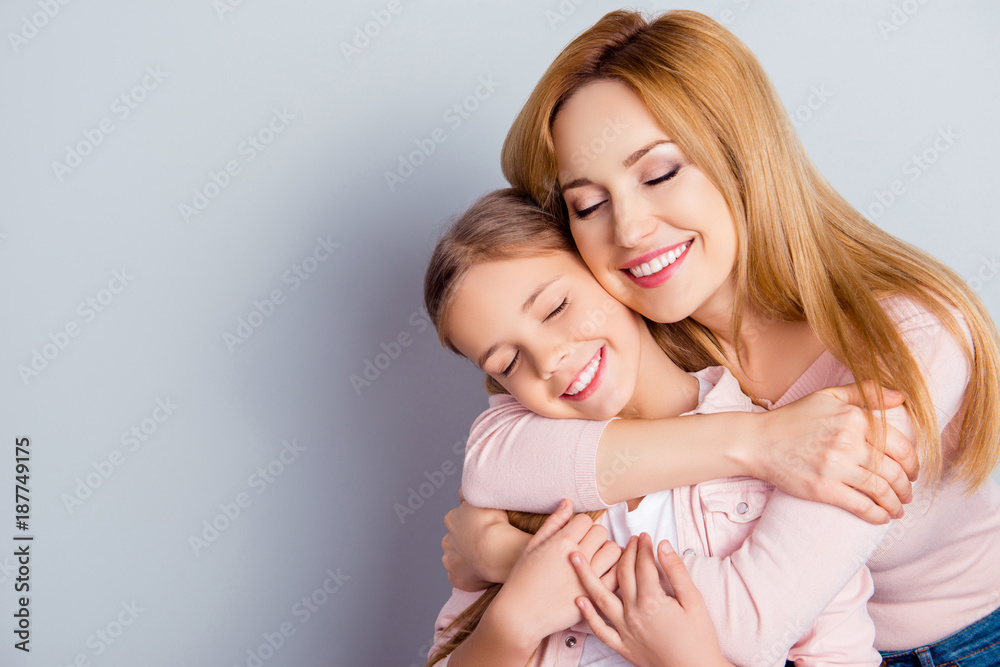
point(524, 309)
point(627, 162)
point(636, 156)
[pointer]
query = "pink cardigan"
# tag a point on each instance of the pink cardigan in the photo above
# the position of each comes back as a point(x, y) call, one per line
point(714, 518)
point(935, 570)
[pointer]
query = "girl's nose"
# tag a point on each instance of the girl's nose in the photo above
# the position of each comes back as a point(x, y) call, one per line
point(551, 357)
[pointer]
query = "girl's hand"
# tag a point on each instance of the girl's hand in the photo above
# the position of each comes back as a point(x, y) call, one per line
point(650, 627)
point(480, 547)
point(539, 597)
point(820, 447)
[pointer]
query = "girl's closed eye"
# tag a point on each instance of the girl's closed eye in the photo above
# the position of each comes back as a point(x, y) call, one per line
point(510, 367)
point(558, 309)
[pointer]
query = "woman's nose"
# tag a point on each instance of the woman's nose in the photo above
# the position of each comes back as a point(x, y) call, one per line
point(632, 223)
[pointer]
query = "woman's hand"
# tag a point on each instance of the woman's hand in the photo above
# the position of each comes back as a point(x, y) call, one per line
point(539, 597)
point(650, 627)
point(480, 547)
point(820, 447)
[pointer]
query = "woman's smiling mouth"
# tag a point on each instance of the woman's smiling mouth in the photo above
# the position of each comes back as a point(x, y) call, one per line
point(653, 269)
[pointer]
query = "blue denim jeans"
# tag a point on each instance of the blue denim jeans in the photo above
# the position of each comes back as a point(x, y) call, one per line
point(977, 645)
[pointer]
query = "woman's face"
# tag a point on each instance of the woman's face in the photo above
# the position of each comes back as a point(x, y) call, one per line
point(653, 229)
point(547, 331)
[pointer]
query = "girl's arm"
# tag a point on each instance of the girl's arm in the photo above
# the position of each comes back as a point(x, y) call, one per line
point(538, 598)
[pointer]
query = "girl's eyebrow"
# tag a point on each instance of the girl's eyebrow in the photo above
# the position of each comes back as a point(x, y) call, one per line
point(534, 295)
point(627, 162)
point(524, 309)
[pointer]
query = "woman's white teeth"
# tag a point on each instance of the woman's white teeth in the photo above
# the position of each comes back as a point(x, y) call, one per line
point(659, 263)
point(586, 377)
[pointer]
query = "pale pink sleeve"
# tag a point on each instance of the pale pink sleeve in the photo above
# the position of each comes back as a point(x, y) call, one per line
point(802, 553)
point(517, 460)
point(844, 633)
point(455, 605)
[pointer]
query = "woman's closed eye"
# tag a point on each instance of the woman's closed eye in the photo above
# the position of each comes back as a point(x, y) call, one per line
point(582, 213)
point(665, 177)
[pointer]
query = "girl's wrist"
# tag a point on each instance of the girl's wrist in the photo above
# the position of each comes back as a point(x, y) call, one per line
point(501, 623)
point(508, 543)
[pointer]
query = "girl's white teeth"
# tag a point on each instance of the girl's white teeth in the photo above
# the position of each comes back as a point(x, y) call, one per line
point(586, 377)
point(659, 263)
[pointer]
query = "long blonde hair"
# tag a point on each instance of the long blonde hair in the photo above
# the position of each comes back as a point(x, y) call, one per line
point(465, 623)
point(804, 253)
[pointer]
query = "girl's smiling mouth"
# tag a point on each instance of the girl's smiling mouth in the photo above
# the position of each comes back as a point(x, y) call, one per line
point(586, 381)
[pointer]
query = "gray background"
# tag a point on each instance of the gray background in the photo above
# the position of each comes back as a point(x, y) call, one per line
point(879, 97)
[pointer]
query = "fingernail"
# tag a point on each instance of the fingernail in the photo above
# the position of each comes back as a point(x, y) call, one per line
point(886, 520)
point(666, 546)
point(575, 559)
point(900, 513)
point(908, 499)
point(580, 604)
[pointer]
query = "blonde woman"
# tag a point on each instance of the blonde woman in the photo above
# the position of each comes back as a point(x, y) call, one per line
point(664, 146)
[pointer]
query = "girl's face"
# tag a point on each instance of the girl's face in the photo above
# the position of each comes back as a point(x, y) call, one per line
point(547, 331)
point(653, 229)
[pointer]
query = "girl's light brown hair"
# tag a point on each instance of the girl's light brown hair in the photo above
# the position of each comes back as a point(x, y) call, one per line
point(804, 254)
point(503, 224)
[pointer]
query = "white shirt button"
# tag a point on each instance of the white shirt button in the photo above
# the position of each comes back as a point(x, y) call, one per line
point(742, 508)
point(689, 552)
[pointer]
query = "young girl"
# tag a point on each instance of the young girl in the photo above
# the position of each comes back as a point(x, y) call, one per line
point(703, 213)
point(505, 290)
